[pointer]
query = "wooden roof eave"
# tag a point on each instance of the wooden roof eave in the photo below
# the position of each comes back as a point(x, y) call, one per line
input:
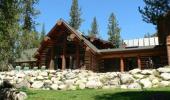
point(86, 42)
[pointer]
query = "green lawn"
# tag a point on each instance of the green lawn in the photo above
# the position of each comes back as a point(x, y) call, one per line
point(100, 94)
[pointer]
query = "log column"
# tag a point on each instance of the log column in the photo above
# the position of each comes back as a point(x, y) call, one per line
point(168, 48)
point(51, 66)
point(64, 56)
point(121, 64)
point(139, 62)
point(77, 56)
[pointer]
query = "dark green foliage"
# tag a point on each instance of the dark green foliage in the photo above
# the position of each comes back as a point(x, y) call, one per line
point(43, 32)
point(75, 15)
point(94, 28)
point(9, 31)
point(114, 31)
point(16, 34)
point(29, 13)
point(154, 9)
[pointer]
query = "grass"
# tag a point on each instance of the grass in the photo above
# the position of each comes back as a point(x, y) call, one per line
point(100, 94)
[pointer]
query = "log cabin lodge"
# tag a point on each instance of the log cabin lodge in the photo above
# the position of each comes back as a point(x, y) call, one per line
point(66, 48)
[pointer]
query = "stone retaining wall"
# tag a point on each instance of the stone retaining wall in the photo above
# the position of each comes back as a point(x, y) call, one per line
point(81, 79)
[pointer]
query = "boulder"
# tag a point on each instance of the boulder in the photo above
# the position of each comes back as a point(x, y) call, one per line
point(106, 87)
point(126, 78)
point(69, 82)
point(164, 83)
point(165, 76)
point(155, 81)
point(93, 84)
point(155, 73)
point(114, 82)
point(43, 73)
point(37, 84)
point(62, 87)
point(8, 78)
point(47, 81)
point(21, 96)
point(11, 73)
point(138, 76)
point(23, 83)
point(146, 83)
point(20, 75)
point(146, 72)
point(58, 82)
point(134, 86)
point(72, 87)
point(123, 86)
point(54, 86)
point(135, 71)
point(164, 70)
point(82, 86)
point(70, 75)
point(40, 77)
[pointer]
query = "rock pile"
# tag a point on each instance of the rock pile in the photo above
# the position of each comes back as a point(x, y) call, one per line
point(81, 79)
point(8, 92)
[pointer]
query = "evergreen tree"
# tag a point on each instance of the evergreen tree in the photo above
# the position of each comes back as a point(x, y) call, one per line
point(9, 31)
point(75, 15)
point(154, 10)
point(114, 31)
point(43, 32)
point(94, 28)
point(29, 13)
point(29, 32)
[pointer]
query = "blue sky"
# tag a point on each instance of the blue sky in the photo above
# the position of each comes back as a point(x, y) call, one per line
point(126, 11)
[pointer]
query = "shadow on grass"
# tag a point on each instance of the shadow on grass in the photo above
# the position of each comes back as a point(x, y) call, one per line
point(135, 95)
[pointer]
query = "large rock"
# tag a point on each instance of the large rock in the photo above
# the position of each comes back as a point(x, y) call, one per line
point(70, 75)
point(164, 83)
point(138, 76)
point(11, 73)
point(146, 72)
point(123, 86)
point(62, 87)
point(155, 81)
point(43, 73)
point(40, 77)
point(134, 86)
point(94, 84)
point(82, 86)
point(164, 69)
point(146, 83)
point(115, 82)
point(69, 82)
point(165, 76)
point(135, 71)
point(20, 75)
point(37, 84)
point(72, 87)
point(23, 83)
point(8, 78)
point(126, 78)
point(54, 86)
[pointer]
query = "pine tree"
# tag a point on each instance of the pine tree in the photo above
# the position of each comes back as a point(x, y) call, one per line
point(9, 31)
point(29, 13)
point(29, 32)
point(94, 28)
point(75, 15)
point(114, 31)
point(43, 32)
point(154, 10)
